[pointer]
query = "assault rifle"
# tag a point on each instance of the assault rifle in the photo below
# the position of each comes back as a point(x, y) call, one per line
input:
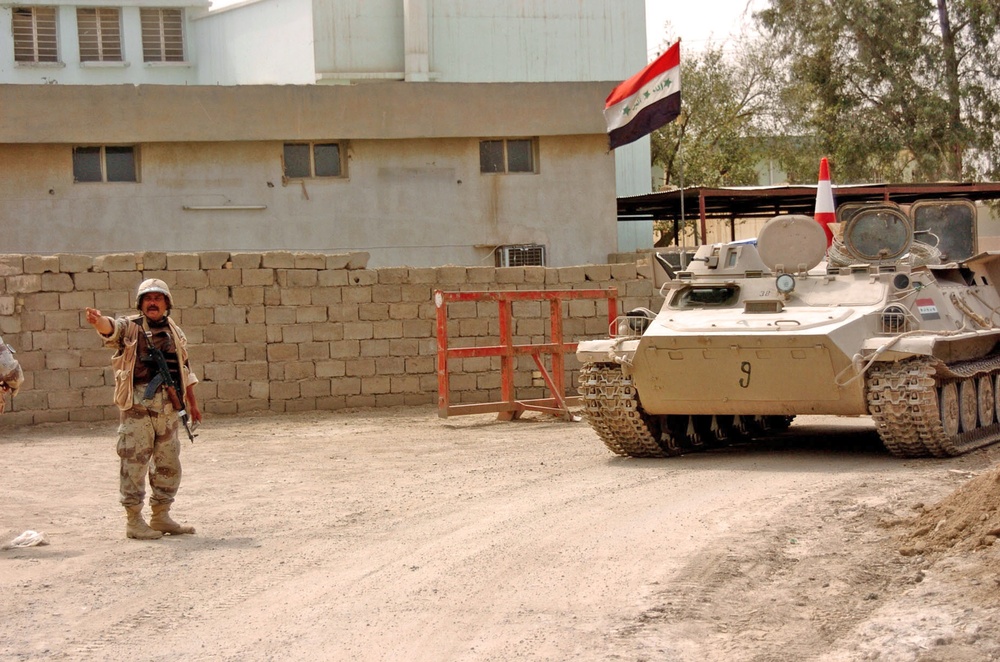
point(174, 393)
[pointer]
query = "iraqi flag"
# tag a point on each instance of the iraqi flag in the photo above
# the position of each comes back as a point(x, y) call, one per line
point(646, 101)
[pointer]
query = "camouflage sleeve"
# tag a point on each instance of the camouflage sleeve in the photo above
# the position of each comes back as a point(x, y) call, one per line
point(117, 333)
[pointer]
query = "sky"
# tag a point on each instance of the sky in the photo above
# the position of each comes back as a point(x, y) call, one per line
point(696, 22)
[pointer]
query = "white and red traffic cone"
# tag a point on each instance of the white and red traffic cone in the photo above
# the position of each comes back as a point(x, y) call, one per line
point(825, 213)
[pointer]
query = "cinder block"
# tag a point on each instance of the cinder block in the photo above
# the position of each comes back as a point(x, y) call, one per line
point(374, 348)
point(624, 271)
point(213, 260)
point(356, 295)
point(277, 260)
point(297, 296)
point(151, 260)
point(216, 334)
point(69, 263)
point(183, 262)
point(374, 385)
point(262, 277)
point(314, 351)
point(534, 276)
point(310, 314)
point(333, 278)
point(235, 352)
point(209, 296)
point(233, 390)
point(111, 301)
point(128, 280)
point(390, 365)
point(393, 275)
point(310, 261)
point(115, 262)
point(345, 349)
point(230, 314)
point(219, 372)
point(231, 278)
point(23, 284)
point(251, 370)
point(40, 301)
point(358, 330)
point(347, 386)
point(39, 264)
point(362, 277)
point(331, 368)
point(509, 275)
point(386, 293)
point(416, 365)
point(87, 281)
point(190, 317)
point(370, 312)
point(296, 370)
point(260, 389)
point(363, 367)
point(285, 390)
point(361, 401)
point(418, 328)
point(326, 296)
point(404, 384)
point(247, 334)
point(245, 260)
point(280, 352)
point(315, 388)
point(297, 277)
point(326, 331)
point(63, 320)
point(387, 329)
point(296, 333)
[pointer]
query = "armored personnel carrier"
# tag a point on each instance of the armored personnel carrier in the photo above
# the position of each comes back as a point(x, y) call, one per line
point(899, 319)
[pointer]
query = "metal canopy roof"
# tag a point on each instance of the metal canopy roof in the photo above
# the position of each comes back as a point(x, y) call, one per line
point(766, 201)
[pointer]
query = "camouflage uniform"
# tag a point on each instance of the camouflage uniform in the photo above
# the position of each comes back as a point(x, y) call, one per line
point(147, 433)
point(11, 375)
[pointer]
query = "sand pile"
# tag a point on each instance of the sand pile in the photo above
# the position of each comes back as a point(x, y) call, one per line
point(966, 520)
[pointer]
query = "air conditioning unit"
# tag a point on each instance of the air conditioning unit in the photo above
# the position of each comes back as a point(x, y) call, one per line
point(521, 255)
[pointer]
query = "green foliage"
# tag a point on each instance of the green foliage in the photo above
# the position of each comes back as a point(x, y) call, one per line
point(892, 90)
point(722, 106)
point(889, 90)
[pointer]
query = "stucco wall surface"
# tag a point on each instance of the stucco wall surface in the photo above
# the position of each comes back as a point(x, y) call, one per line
point(285, 331)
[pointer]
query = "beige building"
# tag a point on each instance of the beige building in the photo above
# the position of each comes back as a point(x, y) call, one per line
point(423, 132)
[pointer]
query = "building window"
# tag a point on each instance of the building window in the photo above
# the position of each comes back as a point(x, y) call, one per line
point(34, 30)
point(100, 34)
point(507, 155)
point(162, 35)
point(112, 163)
point(305, 160)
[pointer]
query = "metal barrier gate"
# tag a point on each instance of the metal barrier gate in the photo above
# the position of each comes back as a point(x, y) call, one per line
point(510, 407)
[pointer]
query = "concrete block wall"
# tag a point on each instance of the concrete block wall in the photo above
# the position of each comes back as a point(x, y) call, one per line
point(285, 331)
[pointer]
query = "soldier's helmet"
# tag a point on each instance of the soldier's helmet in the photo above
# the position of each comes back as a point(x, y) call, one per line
point(152, 285)
point(11, 374)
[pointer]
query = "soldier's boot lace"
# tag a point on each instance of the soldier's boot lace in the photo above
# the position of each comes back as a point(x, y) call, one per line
point(162, 522)
point(135, 526)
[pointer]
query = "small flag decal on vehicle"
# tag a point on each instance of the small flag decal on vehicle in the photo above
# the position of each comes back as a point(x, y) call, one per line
point(927, 309)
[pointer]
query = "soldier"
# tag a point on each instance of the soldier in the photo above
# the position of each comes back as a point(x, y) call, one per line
point(11, 375)
point(147, 435)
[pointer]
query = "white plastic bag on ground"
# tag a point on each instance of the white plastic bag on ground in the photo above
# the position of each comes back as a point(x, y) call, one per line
point(27, 539)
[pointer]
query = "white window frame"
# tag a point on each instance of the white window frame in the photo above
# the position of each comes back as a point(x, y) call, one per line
point(41, 37)
point(107, 45)
point(162, 35)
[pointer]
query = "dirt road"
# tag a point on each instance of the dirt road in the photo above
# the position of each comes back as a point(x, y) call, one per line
point(391, 534)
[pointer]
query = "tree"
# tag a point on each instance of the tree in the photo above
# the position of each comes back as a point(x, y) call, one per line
point(712, 142)
point(889, 89)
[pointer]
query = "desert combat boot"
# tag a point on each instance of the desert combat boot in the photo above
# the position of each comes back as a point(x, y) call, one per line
point(161, 521)
point(135, 526)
